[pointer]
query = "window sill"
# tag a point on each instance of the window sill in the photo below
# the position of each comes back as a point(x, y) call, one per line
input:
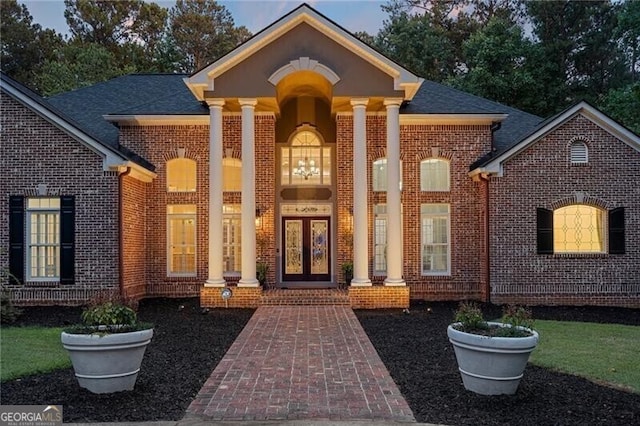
point(580, 255)
point(29, 283)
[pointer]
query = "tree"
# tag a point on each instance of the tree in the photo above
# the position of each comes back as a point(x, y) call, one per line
point(415, 42)
point(497, 58)
point(25, 45)
point(78, 66)
point(203, 31)
point(628, 31)
point(129, 29)
point(624, 105)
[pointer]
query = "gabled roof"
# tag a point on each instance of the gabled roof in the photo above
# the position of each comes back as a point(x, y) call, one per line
point(204, 79)
point(495, 164)
point(113, 156)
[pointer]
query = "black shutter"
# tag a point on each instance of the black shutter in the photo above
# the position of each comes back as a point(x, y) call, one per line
point(544, 220)
point(616, 231)
point(67, 239)
point(16, 239)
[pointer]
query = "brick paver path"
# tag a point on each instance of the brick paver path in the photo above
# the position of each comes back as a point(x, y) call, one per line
point(301, 362)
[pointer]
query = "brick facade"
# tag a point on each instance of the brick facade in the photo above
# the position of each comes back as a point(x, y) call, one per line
point(34, 152)
point(133, 235)
point(542, 177)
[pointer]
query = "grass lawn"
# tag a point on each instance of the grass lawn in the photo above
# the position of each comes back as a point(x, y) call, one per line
point(30, 350)
point(604, 353)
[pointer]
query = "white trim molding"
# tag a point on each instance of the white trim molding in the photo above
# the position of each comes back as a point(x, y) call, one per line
point(304, 64)
point(583, 108)
point(204, 79)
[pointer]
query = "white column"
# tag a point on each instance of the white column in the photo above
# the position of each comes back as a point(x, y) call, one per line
point(360, 203)
point(248, 276)
point(215, 278)
point(394, 212)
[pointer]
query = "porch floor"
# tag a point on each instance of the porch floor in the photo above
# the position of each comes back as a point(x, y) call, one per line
point(301, 363)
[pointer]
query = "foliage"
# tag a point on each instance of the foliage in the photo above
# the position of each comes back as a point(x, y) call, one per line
point(514, 319)
point(8, 312)
point(262, 269)
point(79, 66)
point(108, 317)
point(25, 45)
point(46, 354)
point(603, 353)
point(203, 31)
point(623, 105)
point(347, 271)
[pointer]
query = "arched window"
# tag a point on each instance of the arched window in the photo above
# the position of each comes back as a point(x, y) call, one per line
point(579, 228)
point(434, 175)
point(306, 161)
point(579, 152)
point(181, 175)
point(231, 174)
point(379, 175)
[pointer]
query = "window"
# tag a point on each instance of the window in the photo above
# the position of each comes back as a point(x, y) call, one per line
point(232, 239)
point(435, 232)
point(579, 228)
point(579, 153)
point(379, 175)
point(380, 238)
point(181, 175)
point(434, 175)
point(231, 175)
point(181, 241)
point(42, 239)
point(306, 161)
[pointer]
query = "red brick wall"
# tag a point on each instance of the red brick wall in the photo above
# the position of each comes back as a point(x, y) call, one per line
point(462, 145)
point(161, 143)
point(33, 152)
point(133, 233)
point(542, 176)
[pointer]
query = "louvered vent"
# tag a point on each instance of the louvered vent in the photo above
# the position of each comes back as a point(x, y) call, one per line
point(579, 153)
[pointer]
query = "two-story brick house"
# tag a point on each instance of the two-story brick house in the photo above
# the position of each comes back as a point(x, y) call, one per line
point(301, 151)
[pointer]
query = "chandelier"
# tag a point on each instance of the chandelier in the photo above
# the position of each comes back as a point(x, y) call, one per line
point(306, 168)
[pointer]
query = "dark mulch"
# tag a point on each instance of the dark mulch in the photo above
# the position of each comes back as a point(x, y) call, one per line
point(186, 347)
point(415, 349)
point(188, 344)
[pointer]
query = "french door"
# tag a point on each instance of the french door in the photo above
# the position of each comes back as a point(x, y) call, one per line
point(306, 249)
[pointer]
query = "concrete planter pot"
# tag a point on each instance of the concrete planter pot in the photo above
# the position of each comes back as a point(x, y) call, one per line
point(491, 365)
point(109, 362)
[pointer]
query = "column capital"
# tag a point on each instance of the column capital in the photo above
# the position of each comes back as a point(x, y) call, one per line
point(391, 102)
point(248, 102)
point(359, 102)
point(215, 103)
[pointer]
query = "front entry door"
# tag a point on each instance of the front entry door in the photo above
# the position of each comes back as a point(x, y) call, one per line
point(306, 249)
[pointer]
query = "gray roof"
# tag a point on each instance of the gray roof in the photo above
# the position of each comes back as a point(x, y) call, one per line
point(88, 105)
point(435, 98)
point(166, 94)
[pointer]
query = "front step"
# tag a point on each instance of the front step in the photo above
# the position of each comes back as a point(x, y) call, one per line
point(275, 297)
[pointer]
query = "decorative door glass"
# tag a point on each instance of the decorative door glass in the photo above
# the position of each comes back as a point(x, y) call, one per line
point(320, 249)
point(293, 247)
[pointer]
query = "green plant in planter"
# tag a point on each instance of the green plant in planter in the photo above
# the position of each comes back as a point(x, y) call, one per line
point(108, 317)
point(513, 322)
point(262, 269)
point(347, 272)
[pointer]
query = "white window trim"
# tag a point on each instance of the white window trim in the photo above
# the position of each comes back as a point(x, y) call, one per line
point(28, 245)
point(380, 272)
point(193, 216)
point(231, 273)
point(437, 273)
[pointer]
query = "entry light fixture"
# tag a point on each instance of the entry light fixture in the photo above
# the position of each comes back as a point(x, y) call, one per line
point(258, 219)
point(306, 168)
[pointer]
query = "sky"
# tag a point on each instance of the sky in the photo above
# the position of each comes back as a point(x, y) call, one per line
point(354, 15)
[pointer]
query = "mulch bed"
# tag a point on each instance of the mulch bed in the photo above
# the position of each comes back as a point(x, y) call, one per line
point(415, 349)
point(188, 344)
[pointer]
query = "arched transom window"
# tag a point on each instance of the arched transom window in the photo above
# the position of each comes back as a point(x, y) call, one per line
point(306, 161)
point(231, 174)
point(181, 175)
point(434, 175)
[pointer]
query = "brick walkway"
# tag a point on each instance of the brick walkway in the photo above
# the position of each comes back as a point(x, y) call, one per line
point(301, 362)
